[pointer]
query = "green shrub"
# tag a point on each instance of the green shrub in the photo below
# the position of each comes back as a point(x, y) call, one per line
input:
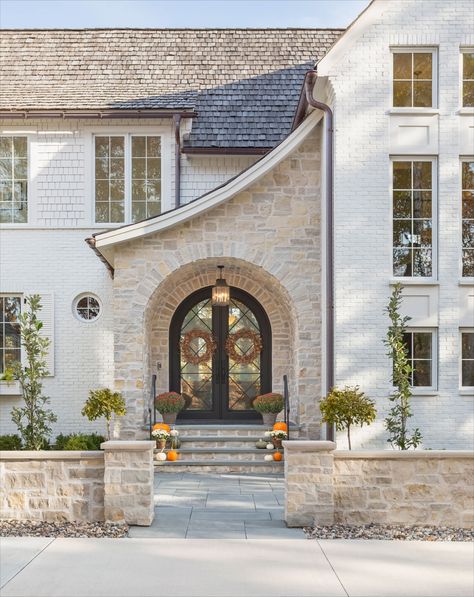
point(269, 403)
point(10, 442)
point(79, 441)
point(104, 403)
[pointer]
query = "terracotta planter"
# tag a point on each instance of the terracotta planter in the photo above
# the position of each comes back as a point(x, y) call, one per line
point(269, 419)
point(161, 444)
point(169, 418)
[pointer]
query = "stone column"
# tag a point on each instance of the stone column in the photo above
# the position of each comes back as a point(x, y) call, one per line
point(309, 493)
point(128, 482)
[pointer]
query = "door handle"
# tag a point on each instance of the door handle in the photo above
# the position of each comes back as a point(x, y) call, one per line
point(223, 372)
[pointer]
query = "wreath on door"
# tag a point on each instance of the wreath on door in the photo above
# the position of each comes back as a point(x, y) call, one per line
point(236, 354)
point(189, 354)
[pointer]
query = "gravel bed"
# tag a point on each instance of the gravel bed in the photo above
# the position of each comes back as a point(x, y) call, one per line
point(392, 531)
point(27, 528)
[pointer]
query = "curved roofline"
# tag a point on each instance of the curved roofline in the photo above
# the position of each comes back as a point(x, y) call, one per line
point(105, 241)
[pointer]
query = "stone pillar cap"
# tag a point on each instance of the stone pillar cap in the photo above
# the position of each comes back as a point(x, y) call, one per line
point(309, 446)
point(133, 445)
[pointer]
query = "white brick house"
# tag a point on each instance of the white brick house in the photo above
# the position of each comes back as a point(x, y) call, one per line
point(230, 166)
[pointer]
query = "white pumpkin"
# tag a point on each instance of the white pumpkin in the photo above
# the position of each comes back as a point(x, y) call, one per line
point(270, 446)
point(268, 457)
point(161, 456)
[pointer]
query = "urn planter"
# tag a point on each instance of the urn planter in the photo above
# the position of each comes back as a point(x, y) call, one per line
point(269, 419)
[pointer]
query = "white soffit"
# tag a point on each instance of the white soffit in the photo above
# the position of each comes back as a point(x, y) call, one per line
point(106, 240)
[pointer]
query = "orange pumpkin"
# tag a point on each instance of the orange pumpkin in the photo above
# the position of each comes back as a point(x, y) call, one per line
point(280, 426)
point(162, 426)
point(277, 456)
point(172, 455)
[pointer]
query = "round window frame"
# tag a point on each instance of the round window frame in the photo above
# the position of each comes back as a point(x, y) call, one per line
point(75, 304)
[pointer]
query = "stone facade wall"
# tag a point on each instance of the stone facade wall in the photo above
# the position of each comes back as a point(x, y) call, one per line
point(269, 239)
point(383, 487)
point(52, 486)
point(115, 485)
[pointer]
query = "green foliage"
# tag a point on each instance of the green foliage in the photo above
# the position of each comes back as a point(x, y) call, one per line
point(268, 403)
point(8, 375)
point(10, 442)
point(104, 403)
point(169, 402)
point(33, 420)
point(347, 407)
point(79, 441)
point(396, 420)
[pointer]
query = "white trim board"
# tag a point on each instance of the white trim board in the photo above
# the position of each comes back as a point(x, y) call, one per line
point(106, 240)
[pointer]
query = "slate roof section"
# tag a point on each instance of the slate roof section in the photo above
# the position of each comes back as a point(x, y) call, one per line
point(243, 83)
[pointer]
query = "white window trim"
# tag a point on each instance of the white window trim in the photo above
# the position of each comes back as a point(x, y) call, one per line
point(434, 78)
point(463, 50)
point(434, 228)
point(433, 389)
point(12, 388)
point(465, 390)
point(31, 197)
point(167, 201)
point(462, 279)
point(75, 303)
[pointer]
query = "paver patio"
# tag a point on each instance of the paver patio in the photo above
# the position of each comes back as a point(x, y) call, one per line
point(218, 506)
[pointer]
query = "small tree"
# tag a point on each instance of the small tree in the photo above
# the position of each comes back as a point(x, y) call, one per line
point(104, 403)
point(33, 420)
point(396, 420)
point(347, 407)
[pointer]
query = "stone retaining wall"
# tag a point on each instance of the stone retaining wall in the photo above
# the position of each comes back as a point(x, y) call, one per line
point(64, 486)
point(325, 486)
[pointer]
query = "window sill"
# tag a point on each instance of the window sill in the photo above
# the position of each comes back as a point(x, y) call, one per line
point(466, 111)
point(422, 392)
point(466, 391)
point(414, 282)
point(10, 388)
point(466, 282)
point(414, 111)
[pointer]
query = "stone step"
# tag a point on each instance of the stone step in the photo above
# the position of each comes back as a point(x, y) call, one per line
point(221, 466)
point(234, 431)
point(215, 454)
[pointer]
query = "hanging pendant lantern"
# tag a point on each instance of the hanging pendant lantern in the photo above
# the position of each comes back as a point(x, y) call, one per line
point(220, 291)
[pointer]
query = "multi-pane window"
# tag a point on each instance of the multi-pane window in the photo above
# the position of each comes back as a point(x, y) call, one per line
point(110, 179)
point(413, 79)
point(127, 178)
point(467, 359)
point(412, 197)
point(419, 346)
point(468, 79)
point(467, 178)
point(10, 340)
point(146, 177)
point(13, 180)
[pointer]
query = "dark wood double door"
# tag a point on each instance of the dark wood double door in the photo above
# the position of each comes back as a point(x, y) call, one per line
point(218, 386)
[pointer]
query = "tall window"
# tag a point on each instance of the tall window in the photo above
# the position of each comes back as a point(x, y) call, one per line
point(468, 78)
point(467, 178)
point(413, 74)
point(420, 356)
point(13, 180)
point(467, 359)
point(127, 178)
point(10, 344)
point(412, 199)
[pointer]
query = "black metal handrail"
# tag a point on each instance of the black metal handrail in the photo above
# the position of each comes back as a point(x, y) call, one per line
point(286, 396)
point(151, 408)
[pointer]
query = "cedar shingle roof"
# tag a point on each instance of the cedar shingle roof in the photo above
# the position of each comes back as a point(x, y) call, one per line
point(244, 83)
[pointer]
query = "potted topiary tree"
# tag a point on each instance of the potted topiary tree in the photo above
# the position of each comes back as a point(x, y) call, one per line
point(168, 405)
point(347, 407)
point(104, 403)
point(269, 405)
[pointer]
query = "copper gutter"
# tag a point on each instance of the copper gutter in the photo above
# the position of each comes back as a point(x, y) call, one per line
point(82, 114)
point(306, 100)
point(92, 244)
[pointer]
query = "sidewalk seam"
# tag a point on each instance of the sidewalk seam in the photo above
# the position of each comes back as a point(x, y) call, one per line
point(28, 563)
point(332, 567)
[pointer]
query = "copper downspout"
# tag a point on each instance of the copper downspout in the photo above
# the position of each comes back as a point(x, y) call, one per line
point(92, 244)
point(177, 160)
point(309, 82)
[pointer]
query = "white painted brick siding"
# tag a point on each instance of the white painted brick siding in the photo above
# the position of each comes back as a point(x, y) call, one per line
point(361, 98)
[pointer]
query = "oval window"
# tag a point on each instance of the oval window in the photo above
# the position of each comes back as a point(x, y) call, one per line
point(87, 308)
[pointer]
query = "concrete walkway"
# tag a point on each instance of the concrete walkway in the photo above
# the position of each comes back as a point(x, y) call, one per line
point(31, 567)
point(218, 506)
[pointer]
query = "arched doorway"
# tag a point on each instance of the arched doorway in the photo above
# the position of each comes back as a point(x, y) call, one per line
point(218, 380)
